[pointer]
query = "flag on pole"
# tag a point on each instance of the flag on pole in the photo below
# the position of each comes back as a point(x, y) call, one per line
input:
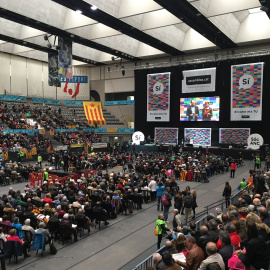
point(93, 113)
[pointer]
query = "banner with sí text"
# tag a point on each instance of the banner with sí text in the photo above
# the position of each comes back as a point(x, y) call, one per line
point(158, 97)
point(246, 92)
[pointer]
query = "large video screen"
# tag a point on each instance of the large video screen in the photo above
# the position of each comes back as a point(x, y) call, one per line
point(199, 109)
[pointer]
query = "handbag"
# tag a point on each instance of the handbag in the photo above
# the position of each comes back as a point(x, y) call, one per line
point(235, 263)
point(53, 249)
point(156, 231)
point(164, 200)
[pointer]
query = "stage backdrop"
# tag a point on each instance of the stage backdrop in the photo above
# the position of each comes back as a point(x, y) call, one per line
point(199, 80)
point(166, 136)
point(246, 92)
point(233, 135)
point(158, 97)
point(199, 136)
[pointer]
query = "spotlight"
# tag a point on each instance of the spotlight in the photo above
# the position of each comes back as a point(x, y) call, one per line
point(123, 70)
point(45, 37)
point(116, 65)
point(93, 7)
point(78, 11)
point(57, 47)
point(113, 58)
point(49, 45)
point(108, 69)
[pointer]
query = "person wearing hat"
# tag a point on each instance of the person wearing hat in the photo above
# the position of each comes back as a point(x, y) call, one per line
point(207, 112)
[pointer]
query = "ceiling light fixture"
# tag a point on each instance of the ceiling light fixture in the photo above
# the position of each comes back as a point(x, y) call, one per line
point(93, 7)
point(78, 11)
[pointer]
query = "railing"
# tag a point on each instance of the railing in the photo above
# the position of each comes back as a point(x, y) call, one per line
point(148, 262)
point(233, 200)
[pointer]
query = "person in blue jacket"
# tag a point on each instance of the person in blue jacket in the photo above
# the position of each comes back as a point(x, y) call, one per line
point(160, 190)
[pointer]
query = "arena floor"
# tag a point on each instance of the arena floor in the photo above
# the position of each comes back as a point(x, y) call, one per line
point(126, 240)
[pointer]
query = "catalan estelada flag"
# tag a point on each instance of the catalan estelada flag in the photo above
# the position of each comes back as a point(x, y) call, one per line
point(93, 113)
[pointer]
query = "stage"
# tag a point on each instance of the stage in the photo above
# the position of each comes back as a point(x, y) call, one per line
point(233, 152)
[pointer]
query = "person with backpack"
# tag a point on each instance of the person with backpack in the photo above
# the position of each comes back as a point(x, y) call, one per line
point(161, 229)
point(160, 190)
point(166, 202)
point(188, 202)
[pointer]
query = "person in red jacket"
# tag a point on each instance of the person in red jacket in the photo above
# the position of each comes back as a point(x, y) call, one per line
point(233, 169)
point(48, 200)
point(235, 238)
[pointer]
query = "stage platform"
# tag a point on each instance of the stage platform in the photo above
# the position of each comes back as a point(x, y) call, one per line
point(233, 152)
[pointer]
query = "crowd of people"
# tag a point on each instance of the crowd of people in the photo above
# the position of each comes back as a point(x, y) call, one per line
point(14, 118)
point(238, 238)
point(14, 142)
point(144, 177)
point(68, 138)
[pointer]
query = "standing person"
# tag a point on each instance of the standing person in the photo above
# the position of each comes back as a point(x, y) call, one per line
point(242, 184)
point(162, 228)
point(194, 202)
point(257, 161)
point(227, 193)
point(267, 161)
point(192, 111)
point(255, 255)
point(160, 189)
point(46, 175)
point(188, 201)
point(178, 201)
point(233, 169)
point(153, 191)
point(40, 160)
point(207, 112)
point(168, 205)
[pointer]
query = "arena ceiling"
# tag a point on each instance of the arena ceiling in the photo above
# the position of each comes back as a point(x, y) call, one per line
point(130, 29)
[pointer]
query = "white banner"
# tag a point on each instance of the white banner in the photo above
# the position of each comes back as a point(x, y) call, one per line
point(99, 145)
point(246, 92)
point(158, 97)
point(199, 80)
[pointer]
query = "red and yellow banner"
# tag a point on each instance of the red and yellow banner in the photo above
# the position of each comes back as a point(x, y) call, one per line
point(93, 113)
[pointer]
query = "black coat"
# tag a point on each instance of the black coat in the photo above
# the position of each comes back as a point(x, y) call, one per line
point(256, 253)
point(226, 253)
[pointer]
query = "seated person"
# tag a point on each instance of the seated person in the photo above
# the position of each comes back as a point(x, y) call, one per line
point(48, 200)
point(2, 235)
point(60, 212)
point(85, 221)
point(30, 215)
point(98, 209)
point(5, 221)
point(41, 228)
point(12, 237)
point(27, 227)
point(54, 224)
point(67, 223)
point(16, 224)
point(48, 210)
